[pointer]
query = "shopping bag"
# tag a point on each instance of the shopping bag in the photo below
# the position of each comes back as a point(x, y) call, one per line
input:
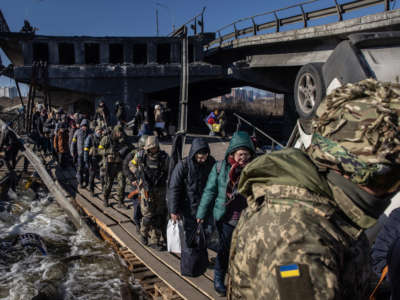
point(194, 255)
point(174, 236)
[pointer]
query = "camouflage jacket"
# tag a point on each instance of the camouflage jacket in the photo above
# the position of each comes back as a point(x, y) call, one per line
point(293, 241)
point(110, 148)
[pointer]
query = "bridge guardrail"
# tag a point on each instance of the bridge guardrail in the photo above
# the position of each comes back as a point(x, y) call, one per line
point(337, 9)
point(255, 128)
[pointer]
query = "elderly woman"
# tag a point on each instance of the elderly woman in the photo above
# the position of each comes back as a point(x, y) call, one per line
point(221, 189)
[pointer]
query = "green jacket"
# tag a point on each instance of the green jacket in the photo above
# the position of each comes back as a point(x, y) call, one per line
point(215, 190)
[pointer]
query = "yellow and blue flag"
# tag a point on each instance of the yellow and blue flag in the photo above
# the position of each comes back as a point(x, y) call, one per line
point(289, 271)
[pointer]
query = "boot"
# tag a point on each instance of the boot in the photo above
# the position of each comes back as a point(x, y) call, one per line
point(121, 204)
point(92, 192)
point(137, 227)
point(219, 283)
point(143, 240)
point(105, 201)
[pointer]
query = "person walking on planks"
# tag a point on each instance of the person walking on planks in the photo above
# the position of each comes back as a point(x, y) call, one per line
point(113, 148)
point(10, 144)
point(60, 144)
point(187, 183)
point(102, 116)
point(92, 156)
point(151, 173)
point(302, 234)
point(221, 194)
point(77, 146)
point(129, 169)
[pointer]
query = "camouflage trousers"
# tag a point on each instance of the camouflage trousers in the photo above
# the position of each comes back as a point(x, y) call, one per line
point(154, 212)
point(115, 172)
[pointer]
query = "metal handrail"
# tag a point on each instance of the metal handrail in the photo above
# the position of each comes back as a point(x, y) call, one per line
point(241, 119)
point(304, 17)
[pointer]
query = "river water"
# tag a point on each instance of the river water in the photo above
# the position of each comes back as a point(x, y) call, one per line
point(77, 265)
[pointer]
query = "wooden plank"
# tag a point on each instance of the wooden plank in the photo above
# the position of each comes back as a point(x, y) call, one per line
point(89, 209)
point(173, 280)
point(109, 211)
point(92, 211)
point(203, 282)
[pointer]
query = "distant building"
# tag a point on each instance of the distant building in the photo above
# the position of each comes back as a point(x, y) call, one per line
point(8, 92)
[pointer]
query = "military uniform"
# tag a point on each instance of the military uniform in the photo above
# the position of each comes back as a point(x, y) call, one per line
point(113, 150)
point(301, 236)
point(294, 223)
point(101, 116)
point(92, 156)
point(152, 172)
point(129, 168)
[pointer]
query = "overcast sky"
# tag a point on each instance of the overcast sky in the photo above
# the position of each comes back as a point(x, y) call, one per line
point(138, 17)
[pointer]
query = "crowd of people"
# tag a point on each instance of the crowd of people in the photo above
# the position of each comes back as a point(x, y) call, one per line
point(290, 223)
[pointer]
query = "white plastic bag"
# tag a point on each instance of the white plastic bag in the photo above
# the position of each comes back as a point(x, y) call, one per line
point(174, 235)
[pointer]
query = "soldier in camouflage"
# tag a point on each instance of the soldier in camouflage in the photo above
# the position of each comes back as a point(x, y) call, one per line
point(302, 235)
point(151, 173)
point(129, 169)
point(91, 155)
point(113, 148)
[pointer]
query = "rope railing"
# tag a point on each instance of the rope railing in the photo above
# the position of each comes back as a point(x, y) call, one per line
point(255, 128)
point(302, 17)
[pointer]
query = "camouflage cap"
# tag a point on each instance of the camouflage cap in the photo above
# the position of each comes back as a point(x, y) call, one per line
point(356, 131)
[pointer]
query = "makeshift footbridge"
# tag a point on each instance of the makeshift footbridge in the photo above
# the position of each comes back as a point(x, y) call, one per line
point(157, 272)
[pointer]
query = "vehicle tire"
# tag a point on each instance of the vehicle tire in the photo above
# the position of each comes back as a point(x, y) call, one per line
point(309, 90)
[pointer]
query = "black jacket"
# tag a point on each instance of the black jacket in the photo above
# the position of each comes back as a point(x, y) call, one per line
point(386, 251)
point(188, 181)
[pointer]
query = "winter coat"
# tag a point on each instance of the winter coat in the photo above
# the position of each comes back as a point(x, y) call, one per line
point(91, 146)
point(384, 253)
point(188, 181)
point(215, 191)
point(78, 142)
point(49, 126)
point(213, 117)
point(37, 123)
point(71, 133)
point(60, 141)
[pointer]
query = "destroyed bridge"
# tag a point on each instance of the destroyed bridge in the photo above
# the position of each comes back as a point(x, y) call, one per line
point(76, 71)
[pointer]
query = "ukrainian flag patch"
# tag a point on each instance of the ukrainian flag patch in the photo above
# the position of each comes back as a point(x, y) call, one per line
point(289, 271)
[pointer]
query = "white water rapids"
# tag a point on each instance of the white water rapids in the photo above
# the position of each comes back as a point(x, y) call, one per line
point(77, 265)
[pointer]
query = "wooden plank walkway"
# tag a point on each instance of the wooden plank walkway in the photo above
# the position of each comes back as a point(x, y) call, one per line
point(117, 227)
point(118, 224)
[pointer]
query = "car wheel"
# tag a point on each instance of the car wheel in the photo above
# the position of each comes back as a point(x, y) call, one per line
point(309, 89)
